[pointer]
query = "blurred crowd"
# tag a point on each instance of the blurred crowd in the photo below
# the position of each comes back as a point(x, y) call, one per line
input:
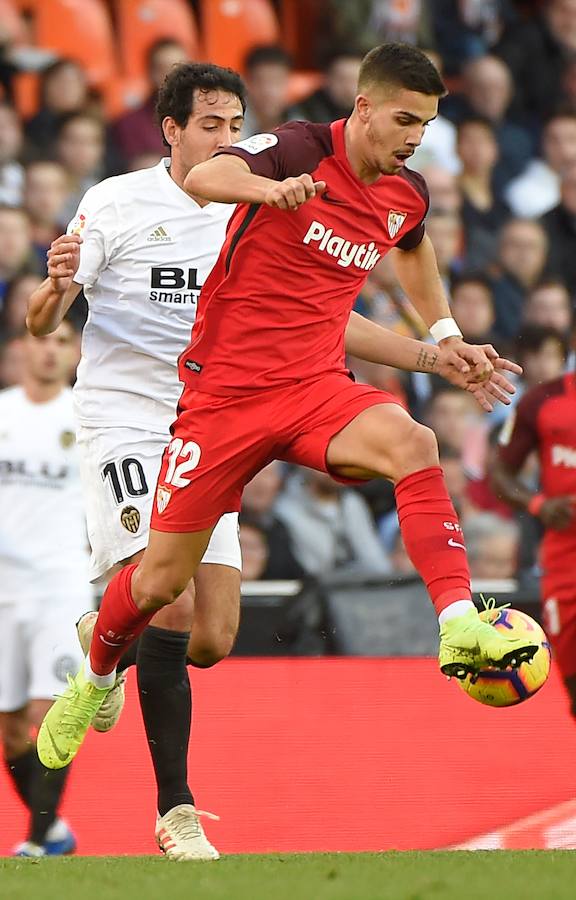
point(500, 163)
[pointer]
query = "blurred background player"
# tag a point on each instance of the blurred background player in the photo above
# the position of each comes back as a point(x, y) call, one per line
point(141, 248)
point(544, 422)
point(44, 582)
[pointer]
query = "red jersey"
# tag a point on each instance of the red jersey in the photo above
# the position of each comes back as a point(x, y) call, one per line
point(545, 421)
point(275, 307)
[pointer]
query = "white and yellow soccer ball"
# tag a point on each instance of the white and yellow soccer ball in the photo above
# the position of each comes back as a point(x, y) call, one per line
point(497, 687)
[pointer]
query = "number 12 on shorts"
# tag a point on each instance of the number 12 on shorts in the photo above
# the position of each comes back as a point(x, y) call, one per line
point(189, 455)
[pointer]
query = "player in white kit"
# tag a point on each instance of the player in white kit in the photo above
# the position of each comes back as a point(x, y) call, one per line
point(141, 248)
point(44, 580)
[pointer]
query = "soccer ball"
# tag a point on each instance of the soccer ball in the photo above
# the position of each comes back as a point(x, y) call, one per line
point(497, 687)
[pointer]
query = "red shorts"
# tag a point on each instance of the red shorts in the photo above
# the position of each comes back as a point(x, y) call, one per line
point(559, 623)
point(219, 443)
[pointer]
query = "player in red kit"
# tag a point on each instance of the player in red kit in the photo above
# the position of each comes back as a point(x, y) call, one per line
point(545, 422)
point(265, 374)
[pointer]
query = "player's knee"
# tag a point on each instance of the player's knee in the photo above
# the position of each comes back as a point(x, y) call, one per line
point(210, 649)
point(416, 448)
point(150, 593)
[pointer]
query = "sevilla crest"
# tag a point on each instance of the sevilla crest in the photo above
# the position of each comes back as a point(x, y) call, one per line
point(395, 222)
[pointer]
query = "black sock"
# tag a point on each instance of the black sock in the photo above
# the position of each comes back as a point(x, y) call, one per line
point(46, 796)
point(22, 770)
point(166, 702)
point(129, 656)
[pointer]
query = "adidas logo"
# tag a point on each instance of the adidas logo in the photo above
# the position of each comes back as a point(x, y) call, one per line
point(159, 235)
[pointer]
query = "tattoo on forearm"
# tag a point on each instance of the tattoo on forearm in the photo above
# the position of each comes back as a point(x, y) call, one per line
point(427, 360)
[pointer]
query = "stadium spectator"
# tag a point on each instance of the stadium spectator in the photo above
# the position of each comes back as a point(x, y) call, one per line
point(335, 99)
point(549, 303)
point(466, 29)
point(13, 315)
point(536, 52)
point(137, 132)
point(520, 265)
point(472, 305)
point(45, 585)
point(259, 505)
point(542, 352)
point(438, 147)
point(451, 414)
point(456, 478)
point(493, 544)
point(560, 225)
point(63, 90)
point(483, 211)
point(80, 149)
point(443, 189)
point(255, 549)
point(11, 172)
point(267, 71)
point(331, 526)
point(487, 92)
point(12, 357)
point(371, 22)
point(16, 252)
point(537, 189)
point(446, 231)
point(44, 197)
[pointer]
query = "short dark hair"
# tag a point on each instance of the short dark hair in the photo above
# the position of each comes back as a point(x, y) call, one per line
point(159, 45)
point(267, 55)
point(176, 96)
point(402, 66)
point(472, 277)
point(482, 121)
point(533, 337)
point(79, 115)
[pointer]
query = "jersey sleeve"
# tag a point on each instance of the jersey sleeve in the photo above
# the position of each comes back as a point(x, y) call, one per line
point(291, 150)
point(96, 221)
point(519, 434)
point(414, 237)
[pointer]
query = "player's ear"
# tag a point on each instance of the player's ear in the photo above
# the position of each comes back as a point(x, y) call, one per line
point(363, 108)
point(171, 131)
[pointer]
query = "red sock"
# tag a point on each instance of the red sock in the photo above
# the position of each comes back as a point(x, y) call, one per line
point(432, 536)
point(119, 623)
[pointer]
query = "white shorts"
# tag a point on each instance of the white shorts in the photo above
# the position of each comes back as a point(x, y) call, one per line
point(38, 648)
point(119, 468)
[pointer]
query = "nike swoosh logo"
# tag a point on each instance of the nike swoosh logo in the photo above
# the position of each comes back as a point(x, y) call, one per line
point(110, 644)
point(453, 543)
point(328, 198)
point(61, 756)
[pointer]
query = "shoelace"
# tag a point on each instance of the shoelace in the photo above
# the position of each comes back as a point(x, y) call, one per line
point(188, 824)
point(491, 608)
point(82, 712)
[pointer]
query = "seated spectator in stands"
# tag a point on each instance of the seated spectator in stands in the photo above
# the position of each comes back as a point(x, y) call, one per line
point(45, 193)
point(452, 414)
point(483, 210)
point(549, 303)
point(63, 90)
point(457, 482)
point(560, 225)
point(520, 265)
point(493, 544)
point(438, 147)
point(258, 503)
point(16, 252)
point(267, 72)
point(137, 131)
point(331, 526)
point(371, 22)
point(11, 360)
point(466, 29)
point(536, 52)
point(443, 189)
point(11, 172)
point(537, 189)
point(335, 99)
point(18, 291)
point(446, 232)
point(472, 305)
point(80, 149)
point(254, 548)
point(486, 93)
point(542, 352)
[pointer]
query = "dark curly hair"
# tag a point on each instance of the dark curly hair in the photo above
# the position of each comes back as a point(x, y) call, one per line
point(176, 96)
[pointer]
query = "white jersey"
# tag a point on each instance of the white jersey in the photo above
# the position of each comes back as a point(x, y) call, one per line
point(43, 542)
point(147, 250)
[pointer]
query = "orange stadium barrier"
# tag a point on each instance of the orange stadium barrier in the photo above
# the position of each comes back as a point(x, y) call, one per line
point(231, 27)
point(143, 22)
point(331, 754)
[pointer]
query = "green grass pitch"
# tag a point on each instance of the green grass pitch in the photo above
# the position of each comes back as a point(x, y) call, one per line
point(371, 876)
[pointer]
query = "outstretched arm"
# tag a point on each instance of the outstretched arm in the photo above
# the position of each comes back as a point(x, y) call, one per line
point(50, 302)
point(372, 342)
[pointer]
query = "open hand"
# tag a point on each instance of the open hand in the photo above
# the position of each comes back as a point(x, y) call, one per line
point(494, 386)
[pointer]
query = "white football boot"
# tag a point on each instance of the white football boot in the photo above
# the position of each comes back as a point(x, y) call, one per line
point(180, 835)
point(111, 709)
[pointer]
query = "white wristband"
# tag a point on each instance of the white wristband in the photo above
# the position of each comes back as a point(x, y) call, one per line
point(444, 328)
